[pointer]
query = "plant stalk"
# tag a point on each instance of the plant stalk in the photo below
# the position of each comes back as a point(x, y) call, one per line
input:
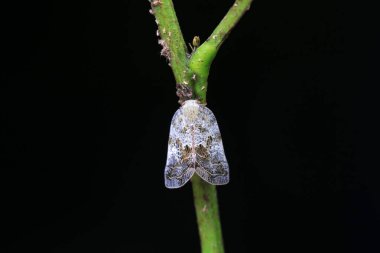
point(194, 73)
point(171, 39)
point(201, 59)
point(207, 210)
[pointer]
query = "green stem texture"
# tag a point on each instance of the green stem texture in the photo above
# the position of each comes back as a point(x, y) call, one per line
point(206, 207)
point(204, 55)
point(174, 47)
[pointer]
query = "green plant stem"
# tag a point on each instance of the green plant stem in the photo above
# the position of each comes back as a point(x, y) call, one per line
point(206, 206)
point(171, 35)
point(202, 58)
point(194, 72)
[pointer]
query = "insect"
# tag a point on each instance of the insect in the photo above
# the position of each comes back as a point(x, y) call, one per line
point(195, 146)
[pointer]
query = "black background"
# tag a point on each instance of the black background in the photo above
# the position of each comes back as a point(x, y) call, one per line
point(86, 103)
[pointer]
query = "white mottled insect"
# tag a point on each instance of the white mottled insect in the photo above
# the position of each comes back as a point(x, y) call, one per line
point(195, 145)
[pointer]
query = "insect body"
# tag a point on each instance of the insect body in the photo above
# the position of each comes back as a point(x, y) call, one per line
point(195, 145)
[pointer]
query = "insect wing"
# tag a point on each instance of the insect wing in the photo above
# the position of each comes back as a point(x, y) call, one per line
point(211, 165)
point(177, 170)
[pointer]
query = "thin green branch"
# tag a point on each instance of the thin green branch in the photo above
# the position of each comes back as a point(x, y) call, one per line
point(171, 39)
point(221, 32)
point(206, 207)
point(202, 58)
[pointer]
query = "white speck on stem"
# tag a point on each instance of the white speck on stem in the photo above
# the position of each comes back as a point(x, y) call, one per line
point(156, 3)
point(165, 49)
